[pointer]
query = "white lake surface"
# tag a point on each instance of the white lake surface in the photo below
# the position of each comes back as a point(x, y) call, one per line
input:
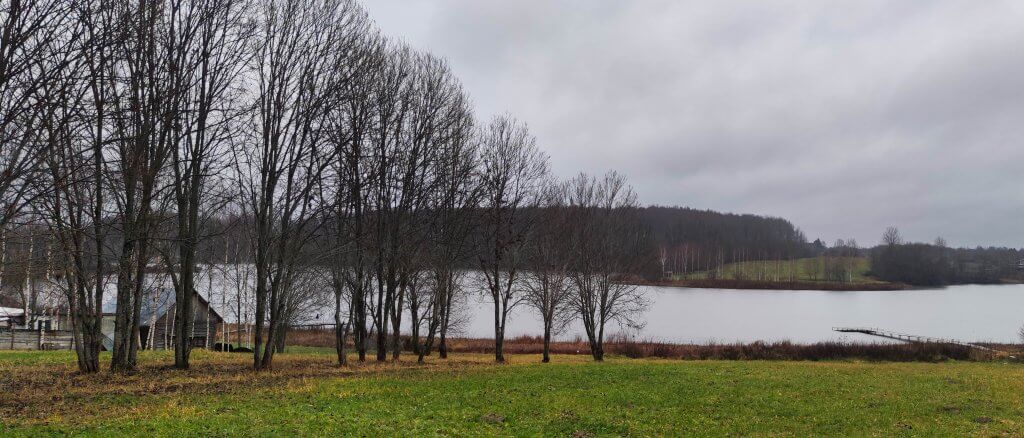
point(969, 313)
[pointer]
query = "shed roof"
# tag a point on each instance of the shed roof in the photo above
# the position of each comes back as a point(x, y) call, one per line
point(157, 303)
point(10, 312)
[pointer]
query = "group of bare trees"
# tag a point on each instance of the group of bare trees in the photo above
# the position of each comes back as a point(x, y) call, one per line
point(585, 244)
point(125, 127)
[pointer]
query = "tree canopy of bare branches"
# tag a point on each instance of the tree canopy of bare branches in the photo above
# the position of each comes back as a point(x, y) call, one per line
point(292, 141)
point(296, 48)
point(513, 170)
point(546, 281)
point(607, 244)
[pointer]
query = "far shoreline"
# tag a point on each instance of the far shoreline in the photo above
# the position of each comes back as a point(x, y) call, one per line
point(774, 285)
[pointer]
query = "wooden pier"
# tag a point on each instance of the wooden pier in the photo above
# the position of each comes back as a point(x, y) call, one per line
point(889, 334)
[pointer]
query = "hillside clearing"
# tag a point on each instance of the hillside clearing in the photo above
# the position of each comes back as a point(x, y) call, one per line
point(805, 269)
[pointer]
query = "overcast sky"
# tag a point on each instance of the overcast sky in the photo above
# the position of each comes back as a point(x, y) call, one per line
point(842, 116)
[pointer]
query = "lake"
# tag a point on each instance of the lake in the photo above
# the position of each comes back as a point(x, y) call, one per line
point(969, 313)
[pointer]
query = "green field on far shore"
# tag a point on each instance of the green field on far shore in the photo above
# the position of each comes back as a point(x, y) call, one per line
point(468, 396)
point(801, 270)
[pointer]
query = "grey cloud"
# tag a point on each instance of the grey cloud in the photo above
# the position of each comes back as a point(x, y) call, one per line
point(844, 117)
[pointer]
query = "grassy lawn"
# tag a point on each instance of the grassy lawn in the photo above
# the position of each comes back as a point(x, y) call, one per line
point(305, 395)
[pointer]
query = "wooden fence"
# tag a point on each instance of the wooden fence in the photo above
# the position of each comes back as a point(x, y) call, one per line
point(29, 339)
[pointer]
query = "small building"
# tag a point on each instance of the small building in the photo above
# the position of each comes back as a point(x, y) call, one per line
point(156, 322)
point(1020, 265)
point(11, 317)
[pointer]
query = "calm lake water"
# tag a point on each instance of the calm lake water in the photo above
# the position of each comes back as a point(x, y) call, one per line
point(968, 313)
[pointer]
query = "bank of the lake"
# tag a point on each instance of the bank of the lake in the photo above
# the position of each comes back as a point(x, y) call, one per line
point(725, 283)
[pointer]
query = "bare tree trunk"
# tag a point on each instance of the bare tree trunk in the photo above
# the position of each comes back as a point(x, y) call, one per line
point(280, 339)
point(396, 324)
point(341, 333)
point(184, 312)
point(3, 252)
point(446, 314)
point(547, 342)
point(442, 343)
point(499, 332)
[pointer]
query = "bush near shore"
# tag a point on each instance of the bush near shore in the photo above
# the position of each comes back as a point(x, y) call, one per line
point(633, 348)
point(744, 351)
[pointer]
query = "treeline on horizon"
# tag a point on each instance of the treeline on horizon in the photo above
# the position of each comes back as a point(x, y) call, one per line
point(694, 239)
point(936, 264)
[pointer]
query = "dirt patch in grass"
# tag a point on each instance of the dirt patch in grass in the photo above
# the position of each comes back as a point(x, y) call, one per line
point(492, 418)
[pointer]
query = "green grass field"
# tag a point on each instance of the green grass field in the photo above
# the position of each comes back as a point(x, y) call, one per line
point(466, 396)
point(806, 269)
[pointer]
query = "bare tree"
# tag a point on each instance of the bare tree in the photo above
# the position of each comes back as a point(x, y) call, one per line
point(206, 54)
point(393, 195)
point(546, 280)
point(416, 104)
point(891, 236)
point(142, 76)
point(513, 171)
point(74, 214)
point(29, 290)
point(608, 243)
point(72, 198)
point(29, 62)
point(349, 123)
point(73, 126)
point(237, 273)
point(281, 170)
point(453, 204)
point(429, 158)
point(420, 301)
point(440, 121)
point(307, 294)
point(32, 62)
point(3, 258)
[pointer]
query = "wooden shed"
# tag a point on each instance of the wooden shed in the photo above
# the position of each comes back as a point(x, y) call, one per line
point(156, 329)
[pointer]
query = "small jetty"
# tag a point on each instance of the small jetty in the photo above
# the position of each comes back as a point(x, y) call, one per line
point(889, 334)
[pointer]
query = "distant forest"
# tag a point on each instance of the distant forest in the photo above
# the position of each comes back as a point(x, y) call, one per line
point(680, 240)
point(689, 239)
point(936, 264)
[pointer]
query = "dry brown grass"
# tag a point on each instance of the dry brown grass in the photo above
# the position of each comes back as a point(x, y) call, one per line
point(533, 345)
point(35, 393)
point(515, 345)
point(895, 352)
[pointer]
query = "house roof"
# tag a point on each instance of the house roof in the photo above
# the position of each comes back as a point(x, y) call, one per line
point(10, 312)
point(156, 303)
